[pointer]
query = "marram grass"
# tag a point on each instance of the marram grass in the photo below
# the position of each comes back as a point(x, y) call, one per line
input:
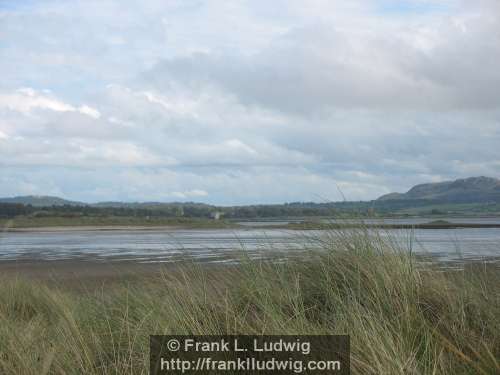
point(402, 318)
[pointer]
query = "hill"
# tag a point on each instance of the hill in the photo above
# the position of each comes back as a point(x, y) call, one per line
point(41, 201)
point(468, 190)
point(463, 196)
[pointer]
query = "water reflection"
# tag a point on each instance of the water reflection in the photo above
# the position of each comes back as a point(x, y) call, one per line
point(444, 245)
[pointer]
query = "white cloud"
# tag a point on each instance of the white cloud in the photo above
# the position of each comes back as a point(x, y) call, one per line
point(250, 101)
point(25, 100)
point(196, 193)
point(238, 145)
point(89, 111)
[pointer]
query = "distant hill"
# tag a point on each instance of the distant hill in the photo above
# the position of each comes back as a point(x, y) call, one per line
point(480, 190)
point(148, 205)
point(468, 190)
point(41, 201)
point(47, 201)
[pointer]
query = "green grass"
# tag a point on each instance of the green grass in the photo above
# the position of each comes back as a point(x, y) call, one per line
point(58, 221)
point(402, 319)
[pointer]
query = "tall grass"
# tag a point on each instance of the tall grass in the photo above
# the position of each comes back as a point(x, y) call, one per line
point(402, 319)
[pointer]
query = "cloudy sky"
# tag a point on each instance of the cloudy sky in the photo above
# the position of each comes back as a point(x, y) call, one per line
point(236, 102)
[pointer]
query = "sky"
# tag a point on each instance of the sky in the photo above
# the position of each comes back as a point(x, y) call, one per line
point(242, 102)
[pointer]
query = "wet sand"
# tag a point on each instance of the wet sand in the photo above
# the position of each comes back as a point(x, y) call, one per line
point(84, 274)
point(89, 275)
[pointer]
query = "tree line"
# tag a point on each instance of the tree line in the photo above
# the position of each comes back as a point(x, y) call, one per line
point(11, 210)
point(198, 210)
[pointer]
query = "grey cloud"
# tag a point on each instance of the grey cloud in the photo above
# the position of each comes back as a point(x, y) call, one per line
point(247, 101)
point(320, 66)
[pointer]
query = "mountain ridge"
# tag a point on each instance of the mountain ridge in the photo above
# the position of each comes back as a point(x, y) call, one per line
point(465, 190)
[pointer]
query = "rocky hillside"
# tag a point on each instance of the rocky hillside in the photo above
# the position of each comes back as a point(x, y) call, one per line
point(473, 189)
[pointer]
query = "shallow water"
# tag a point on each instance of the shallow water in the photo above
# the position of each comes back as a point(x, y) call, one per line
point(448, 245)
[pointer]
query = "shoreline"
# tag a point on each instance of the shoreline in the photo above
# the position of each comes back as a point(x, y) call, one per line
point(96, 228)
point(76, 271)
point(334, 226)
point(291, 226)
point(84, 274)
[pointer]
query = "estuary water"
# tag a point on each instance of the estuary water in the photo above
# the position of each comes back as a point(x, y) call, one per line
point(145, 246)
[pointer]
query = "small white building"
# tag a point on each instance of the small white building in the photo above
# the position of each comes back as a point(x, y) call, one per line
point(216, 215)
